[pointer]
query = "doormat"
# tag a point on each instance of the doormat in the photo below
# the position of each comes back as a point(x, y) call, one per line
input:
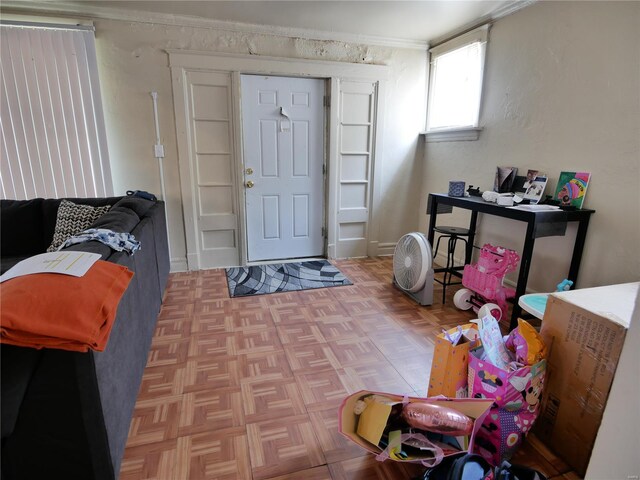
point(283, 277)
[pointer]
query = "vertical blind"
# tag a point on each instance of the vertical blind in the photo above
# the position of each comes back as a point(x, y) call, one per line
point(53, 137)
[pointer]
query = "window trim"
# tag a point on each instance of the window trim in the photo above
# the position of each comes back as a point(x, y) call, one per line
point(466, 132)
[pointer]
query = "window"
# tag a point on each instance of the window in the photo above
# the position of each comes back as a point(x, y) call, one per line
point(53, 138)
point(455, 86)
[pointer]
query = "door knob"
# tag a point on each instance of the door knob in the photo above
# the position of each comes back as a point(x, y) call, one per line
point(249, 184)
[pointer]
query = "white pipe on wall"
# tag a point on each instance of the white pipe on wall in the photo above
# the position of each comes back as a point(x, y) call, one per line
point(159, 154)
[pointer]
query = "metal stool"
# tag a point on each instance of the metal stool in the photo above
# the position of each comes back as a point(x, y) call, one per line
point(450, 270)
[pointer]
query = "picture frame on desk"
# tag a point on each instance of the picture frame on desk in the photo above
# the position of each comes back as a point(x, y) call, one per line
point(535, 190)
point(572, 188)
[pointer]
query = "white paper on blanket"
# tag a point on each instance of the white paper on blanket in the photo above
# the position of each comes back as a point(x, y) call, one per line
point(67, 263)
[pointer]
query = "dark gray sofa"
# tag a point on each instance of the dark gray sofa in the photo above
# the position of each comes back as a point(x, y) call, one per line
point(67, 414)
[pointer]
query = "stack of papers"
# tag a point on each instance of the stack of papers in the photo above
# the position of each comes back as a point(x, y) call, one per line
point(67, 263)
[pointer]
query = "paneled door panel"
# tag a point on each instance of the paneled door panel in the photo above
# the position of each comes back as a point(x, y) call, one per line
point(283, 143)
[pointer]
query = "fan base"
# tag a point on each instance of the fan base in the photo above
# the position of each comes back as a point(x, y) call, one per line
point(424, 296)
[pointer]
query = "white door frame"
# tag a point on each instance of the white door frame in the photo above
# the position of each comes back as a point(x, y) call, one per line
point(181, 61)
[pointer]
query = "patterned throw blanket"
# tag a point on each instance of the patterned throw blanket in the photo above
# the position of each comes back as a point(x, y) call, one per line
point(117, 241)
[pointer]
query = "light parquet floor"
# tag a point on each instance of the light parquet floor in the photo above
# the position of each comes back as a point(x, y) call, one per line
point(249, 388)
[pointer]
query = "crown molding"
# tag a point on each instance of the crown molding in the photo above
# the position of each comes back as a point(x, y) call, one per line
point(501, 12)
point(107, 13)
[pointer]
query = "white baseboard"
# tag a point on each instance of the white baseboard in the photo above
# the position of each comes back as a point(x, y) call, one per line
point(385, 249)
point(178, 264)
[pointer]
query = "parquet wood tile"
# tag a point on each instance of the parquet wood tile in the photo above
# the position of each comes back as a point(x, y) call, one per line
point(210, 410)
point(368, 468)
point(316, 473)
point(215, 455)
point(282, 299)
point(380, 378)
point(163, 381)
point(345, 292)
point(360, 306)
point(257, 341)
point(155, 420)
point(339, 327)
point(311, 357)
point(352, 351)
point(378, 322)
point(320, 311)
point(399, 346)
point(316, 295)
point(335, 446)
point(212, 322)
point(211, 372)
point(271, 399)
point(279, 448)
point(150, 461)
point(290, 314)
point(173, 328)
point(214, 305)
point(300, 334)
point(265, 366)
point(415, 371)
point(249, 388)
point(252, 320)
point(251, 302)
point(322, 390)
point(168, 352)
point(223, 344)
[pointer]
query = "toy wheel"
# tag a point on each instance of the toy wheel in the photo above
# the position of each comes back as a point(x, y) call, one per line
point(462, 299)
point(490, 308)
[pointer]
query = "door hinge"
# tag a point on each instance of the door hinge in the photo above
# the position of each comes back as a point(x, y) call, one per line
point(327, 101)
point(324, 168)
point(324, 232)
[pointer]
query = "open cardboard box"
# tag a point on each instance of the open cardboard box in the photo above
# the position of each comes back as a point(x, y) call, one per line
point(585, 332)
point(476, 408)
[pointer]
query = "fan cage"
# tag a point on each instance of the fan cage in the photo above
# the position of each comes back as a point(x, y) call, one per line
point(411, 261)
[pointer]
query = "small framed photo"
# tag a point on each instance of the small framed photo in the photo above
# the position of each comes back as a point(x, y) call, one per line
point(535, 189)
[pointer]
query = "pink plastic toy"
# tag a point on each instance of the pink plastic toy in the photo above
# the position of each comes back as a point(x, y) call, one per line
point(484, 282)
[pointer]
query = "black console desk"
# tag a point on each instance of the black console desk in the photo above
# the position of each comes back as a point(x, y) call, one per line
point(539, 224)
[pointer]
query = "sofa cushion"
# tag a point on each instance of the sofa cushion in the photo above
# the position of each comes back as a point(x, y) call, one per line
point(21, 227)
point(73, 218)
point(137, 204)
point(119, 219)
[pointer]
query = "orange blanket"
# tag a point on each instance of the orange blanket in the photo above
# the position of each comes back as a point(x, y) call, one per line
point(61, 311)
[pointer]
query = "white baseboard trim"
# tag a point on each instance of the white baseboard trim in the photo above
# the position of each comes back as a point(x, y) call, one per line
point(178, 265)
point(386, 249)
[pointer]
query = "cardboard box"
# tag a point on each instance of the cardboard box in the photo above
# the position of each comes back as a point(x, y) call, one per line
point(584, 330)
point(477, 409)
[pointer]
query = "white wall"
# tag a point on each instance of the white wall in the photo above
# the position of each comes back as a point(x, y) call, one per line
point(561, 92)
point(132, 62)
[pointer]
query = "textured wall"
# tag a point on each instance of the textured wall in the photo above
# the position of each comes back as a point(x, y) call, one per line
point(561, 92)
point(132, 62)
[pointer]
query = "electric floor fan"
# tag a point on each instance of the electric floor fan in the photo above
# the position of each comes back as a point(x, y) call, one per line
point(413, 267)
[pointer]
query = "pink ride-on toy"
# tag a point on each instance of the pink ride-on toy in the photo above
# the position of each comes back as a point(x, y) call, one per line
point(484, 282)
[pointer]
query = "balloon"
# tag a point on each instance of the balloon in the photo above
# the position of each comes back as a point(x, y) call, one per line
point(437, 419)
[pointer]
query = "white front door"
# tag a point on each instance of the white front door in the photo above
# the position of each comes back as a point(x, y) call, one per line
point(283, 143)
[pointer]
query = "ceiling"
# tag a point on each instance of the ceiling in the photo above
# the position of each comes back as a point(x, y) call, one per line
point(411, 21)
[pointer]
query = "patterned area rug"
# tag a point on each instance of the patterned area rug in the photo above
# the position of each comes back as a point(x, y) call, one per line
point(283, 277)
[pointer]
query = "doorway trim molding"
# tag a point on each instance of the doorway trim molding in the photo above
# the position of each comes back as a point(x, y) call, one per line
point(182, 61)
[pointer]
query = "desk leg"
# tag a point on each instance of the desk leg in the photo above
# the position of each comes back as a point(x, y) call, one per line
point(432, 218)
point(472, 236)
point(576, 258)
point(523, 276)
